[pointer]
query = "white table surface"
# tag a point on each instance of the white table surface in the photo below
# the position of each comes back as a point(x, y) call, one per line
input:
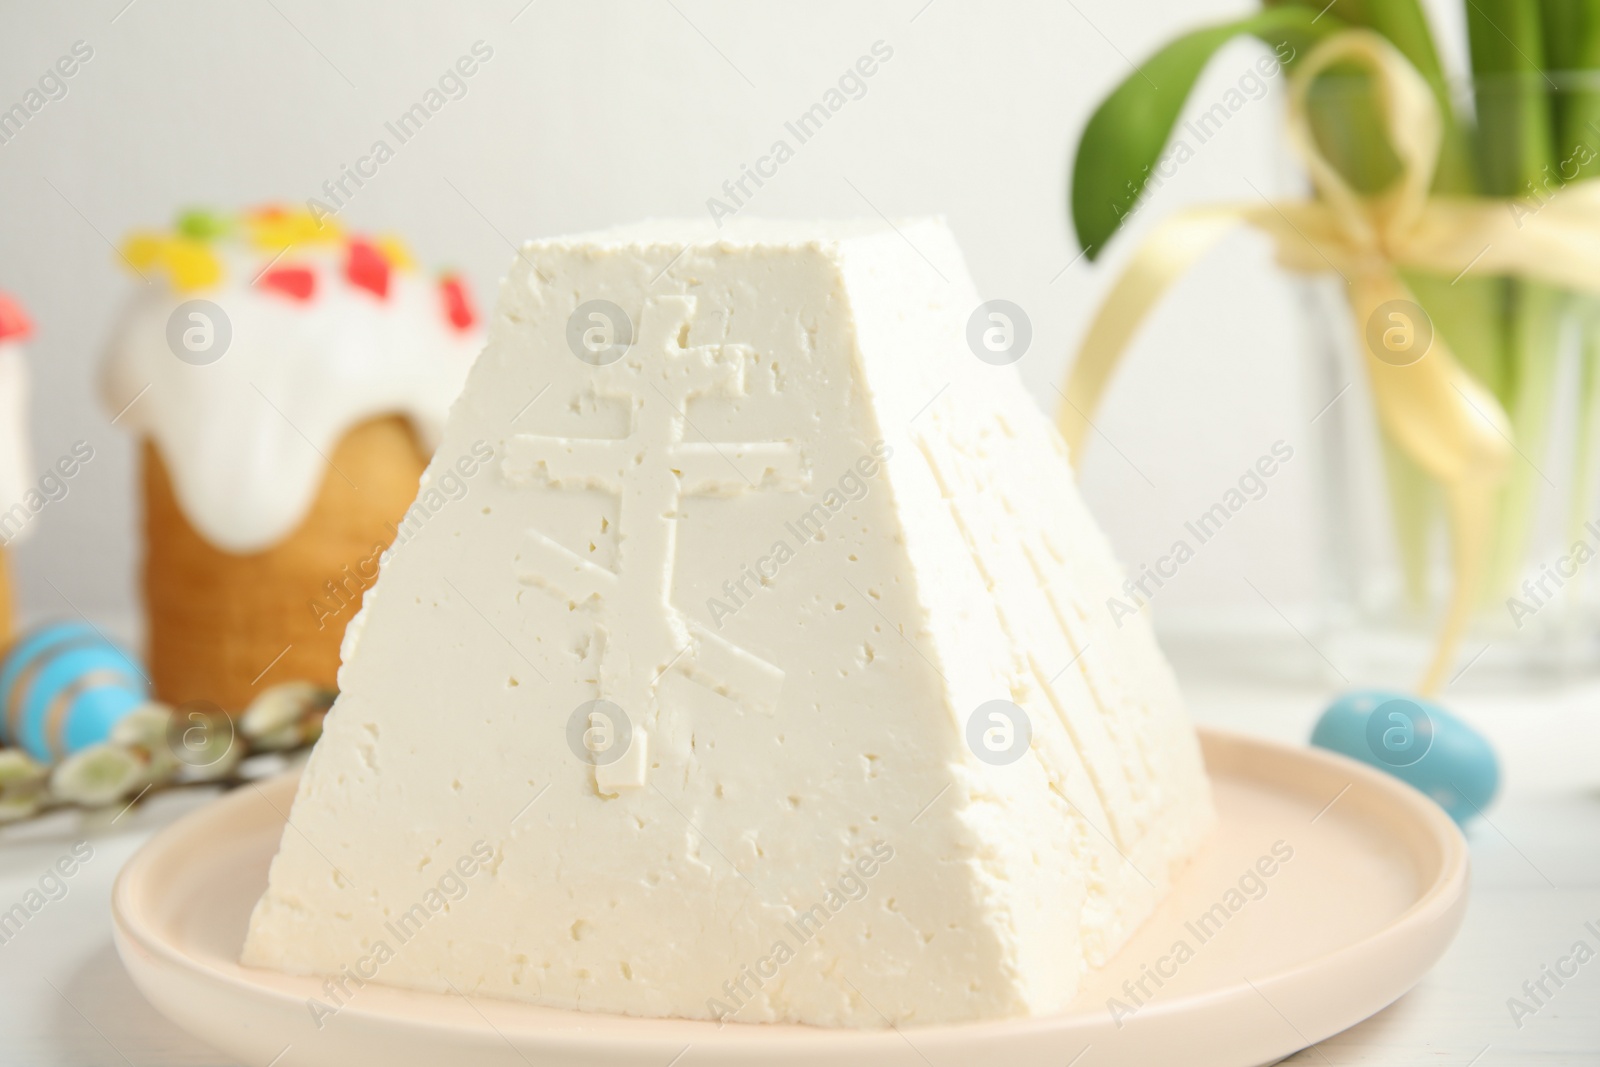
point(65, 1000)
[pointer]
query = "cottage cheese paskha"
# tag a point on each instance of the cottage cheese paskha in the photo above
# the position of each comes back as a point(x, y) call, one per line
point(699, 662)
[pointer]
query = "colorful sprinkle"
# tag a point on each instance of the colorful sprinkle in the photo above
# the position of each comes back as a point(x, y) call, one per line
point(14, 322)
point(457, 302)
point(203, 225)
point(297, 283)
point(189, 262)
point(396, 252)
point(192, 265)
point(366, 268)
point(143, 250)
point(273, 228)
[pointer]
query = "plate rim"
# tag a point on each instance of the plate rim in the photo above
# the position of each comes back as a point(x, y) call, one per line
point(1429, 912)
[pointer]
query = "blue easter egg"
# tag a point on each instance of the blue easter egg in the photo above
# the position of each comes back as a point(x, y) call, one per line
point(63, 687)
point(1418, 742)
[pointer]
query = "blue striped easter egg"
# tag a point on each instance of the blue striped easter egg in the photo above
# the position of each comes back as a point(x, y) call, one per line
point(63, 687)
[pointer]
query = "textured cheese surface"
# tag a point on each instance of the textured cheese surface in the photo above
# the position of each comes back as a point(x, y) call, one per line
point(798, 534)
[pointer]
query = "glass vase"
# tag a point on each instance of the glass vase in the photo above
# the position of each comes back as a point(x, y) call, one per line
point(1388, 551)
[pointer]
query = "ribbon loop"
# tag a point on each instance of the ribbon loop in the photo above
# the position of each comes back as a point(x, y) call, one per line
point(1413, 129)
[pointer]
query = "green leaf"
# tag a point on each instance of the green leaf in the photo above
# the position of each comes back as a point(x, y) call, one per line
point(1125, 136)
point(1516, 157)
point(1513, 93)
point(203, 225)
point(1572, 49)
point(1567, 35)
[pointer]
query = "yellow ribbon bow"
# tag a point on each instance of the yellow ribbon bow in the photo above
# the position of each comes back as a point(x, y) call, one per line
point(1440, 416)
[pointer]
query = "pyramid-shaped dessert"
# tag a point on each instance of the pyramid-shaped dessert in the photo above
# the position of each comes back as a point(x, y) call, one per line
point(764, 673)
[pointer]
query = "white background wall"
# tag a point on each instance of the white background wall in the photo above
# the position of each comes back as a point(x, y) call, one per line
point(593, 113)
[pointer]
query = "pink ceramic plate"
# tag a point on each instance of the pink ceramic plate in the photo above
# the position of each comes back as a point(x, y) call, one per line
point(1237, 968)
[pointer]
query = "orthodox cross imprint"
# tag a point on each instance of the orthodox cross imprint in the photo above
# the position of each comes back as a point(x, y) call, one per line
point(641, 634)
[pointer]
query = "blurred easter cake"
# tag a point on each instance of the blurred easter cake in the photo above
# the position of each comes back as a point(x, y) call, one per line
point(287, 382)
point(16, 469)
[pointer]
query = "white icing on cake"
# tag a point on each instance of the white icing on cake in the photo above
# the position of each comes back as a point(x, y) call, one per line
point(248, 438)
point(16, 458)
